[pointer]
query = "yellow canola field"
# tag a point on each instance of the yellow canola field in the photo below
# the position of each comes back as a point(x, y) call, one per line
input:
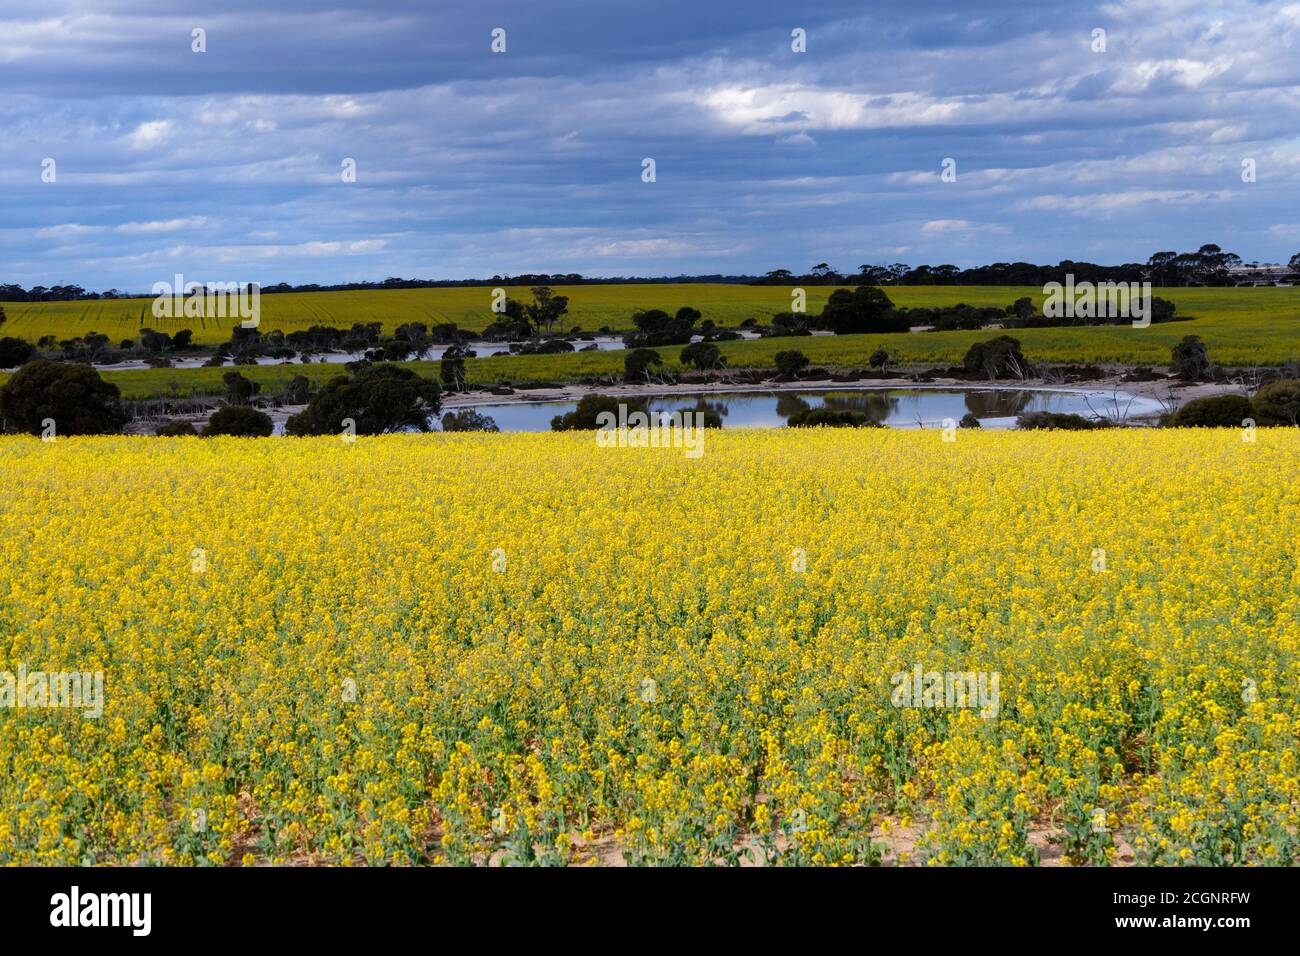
point(526, 648)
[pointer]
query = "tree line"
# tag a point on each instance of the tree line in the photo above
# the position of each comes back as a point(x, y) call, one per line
point(1209, 265)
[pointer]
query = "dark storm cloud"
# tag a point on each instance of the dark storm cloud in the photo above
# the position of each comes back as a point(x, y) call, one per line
point(227, 164)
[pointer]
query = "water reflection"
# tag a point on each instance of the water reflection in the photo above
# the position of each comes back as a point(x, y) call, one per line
point(877, 406)
point(899, 408)
point(788, 403)
point(997, 404)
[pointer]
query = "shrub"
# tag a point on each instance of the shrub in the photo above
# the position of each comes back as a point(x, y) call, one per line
point(241, 420)
point(74, 396)
point(297, 391)
point(790, 363)
point(788, 323)
point(1022, 308)
point(152, 341)
point(1162, 310)
point(957, 317)
point(1059, 420)
point(14, 352)
point(451, 370)
point(177, 429)
point(1278, 403)
point(377, 398)
point(239, 389)
point(639, 364)
point(831, 418)
point(997, 358)
point(865, 309)
point(1218, 411)
point(969, 421)
point(702, 355)
point(655, 327)
point(468, 420)
point(1190, 359)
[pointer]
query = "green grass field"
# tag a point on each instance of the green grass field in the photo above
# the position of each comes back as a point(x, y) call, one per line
point(1245, 326)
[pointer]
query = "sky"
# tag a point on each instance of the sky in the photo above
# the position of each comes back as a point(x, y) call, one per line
point(231, 164)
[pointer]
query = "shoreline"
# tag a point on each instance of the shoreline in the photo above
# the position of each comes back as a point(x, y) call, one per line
point(1169, 395)
point(1172, 394)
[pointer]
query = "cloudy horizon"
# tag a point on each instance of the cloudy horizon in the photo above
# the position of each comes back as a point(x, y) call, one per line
point(228, 165)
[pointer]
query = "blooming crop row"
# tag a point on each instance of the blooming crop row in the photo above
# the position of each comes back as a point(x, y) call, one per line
point(526, 648)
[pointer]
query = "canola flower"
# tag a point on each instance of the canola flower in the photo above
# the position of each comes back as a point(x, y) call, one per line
point(475, 649)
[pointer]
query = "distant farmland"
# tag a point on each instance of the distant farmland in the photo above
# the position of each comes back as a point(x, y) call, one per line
point(1240, 325)
point(590, 306)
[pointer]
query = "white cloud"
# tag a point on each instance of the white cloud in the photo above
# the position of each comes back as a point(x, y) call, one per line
point(162, 225)
point(937, 227)
point(632, 248)
point(1187, 73)
point(798, 139)
point(1105, 204)
point(67, 230)
point(150, 135)
point(763, 109)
